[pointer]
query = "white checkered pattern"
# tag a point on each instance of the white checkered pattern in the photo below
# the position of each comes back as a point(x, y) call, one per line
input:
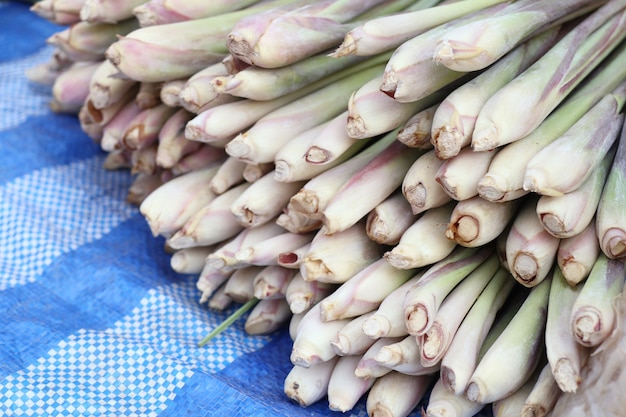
point(56, 210)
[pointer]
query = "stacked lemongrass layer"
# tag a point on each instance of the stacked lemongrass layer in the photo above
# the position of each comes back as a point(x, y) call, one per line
point(430, 194)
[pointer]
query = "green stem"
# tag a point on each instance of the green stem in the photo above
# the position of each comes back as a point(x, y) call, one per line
point(230, 320)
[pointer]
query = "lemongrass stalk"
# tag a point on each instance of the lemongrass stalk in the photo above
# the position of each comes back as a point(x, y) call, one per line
point(149, 94)
point(423, 299)
point(168, 94)
point(210, 280)
point(168, 137)
point(552, 78)
point(71, 87)
point(350, 340)
point(455, 118)
point(345, 389)
point(476, 221)
point(396, 394)
point(105, 90)
point(367, 367)
point(88, 125)
point(389, 220)
point(498, 374)
point(505, 178)
point(311, 345)
point(388, 32)
point(191, 260)
point(584, 146)
point(199, 159)
point(171, 151)
point(474, 46)
point(144, 160)
point(159, 12)
point(302, 295)
point(602, 376)
point(530, 249)
point(272, 282)
point(459, 176)
point(364, 291)
point(566, 356)
point(543, 396)
point(108, 11)
point(211, 224)
point(262, 141)
point(331, 142)
point(219, 301)
point(415, 132)
point(45, 73)
point(229, 174)
point(453, 309)
point(253, 82)
point(403, 357)
point(197, 93)
point(338, 257)
point(368, 187)
point(168, 208)
point(372, 112)
point(419, 185)
point(224, 257)
point(266, 252)
point(577, 254)
point(388, 320)
point(593, 316)
point(240, 285)
point(263, 200)
point(317, 192)
point(297, 222)
point(443, 403)
point(84, 41)
point(290, 164)
point(267, 316)
point(567, 215)
point(307, 386)
point(609, 215)
point(293, 258)
point(144, 129)
point(60, 12)
point(102, 117)
point(461, 357)
point(260, 40)
point(177, 50)
point(253, 172)
point(424, 242)
point(511, 405)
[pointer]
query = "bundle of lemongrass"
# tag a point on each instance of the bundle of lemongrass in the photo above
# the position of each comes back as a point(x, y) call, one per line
point(429, 193)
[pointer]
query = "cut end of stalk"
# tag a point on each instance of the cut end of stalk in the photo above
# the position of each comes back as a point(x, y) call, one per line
point(317, 155)
point(299, 304)
point(535, 181)
point(237, 148)
point(390, 83)
point(587, 326)
point(304, 359)
point(239, 47)
point(355, 126)
point(399, 260)
point(447, 142)
point(282, 171)
point(188, 97)
point(328, 312)
point(315, 269)
point(567, 378)
point(100, 96)
point(416, 196)
point(376, 326)
point(444, 52)
point(613, 243)
point(181, 240)
point(388, 357)
point(448, 377)
point(432, 344)
point(464, 231)
point(305, 201)
point(473, 392)
point(573, 272)
point(485, 139)
point(554, 225)
point(347, 47)
point(490, 188)
point(246, 217)
point(245, 255)
point(221, 84)
point(525, 268)
point(416, 319)
point(340, 345)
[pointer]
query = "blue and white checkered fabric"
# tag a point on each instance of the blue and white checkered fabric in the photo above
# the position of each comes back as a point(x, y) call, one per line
point(93, 321)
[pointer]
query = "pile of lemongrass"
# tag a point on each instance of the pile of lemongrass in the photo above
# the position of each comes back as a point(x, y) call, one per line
point(429, 194)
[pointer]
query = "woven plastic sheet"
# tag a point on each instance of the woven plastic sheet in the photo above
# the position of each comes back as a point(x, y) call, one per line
point(93, 321)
